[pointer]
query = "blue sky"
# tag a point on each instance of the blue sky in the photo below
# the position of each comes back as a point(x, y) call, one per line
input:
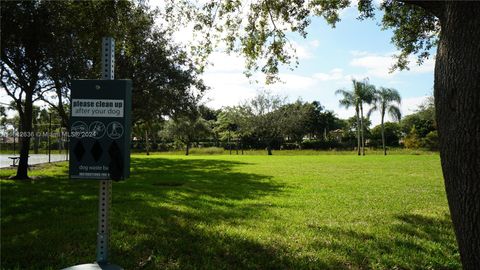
point(329, 59)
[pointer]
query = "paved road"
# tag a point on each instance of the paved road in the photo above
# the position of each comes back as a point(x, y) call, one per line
point(33, 159)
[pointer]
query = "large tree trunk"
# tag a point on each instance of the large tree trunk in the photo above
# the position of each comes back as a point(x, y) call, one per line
point(187, 149)
point(25, 130)
point(457, 102)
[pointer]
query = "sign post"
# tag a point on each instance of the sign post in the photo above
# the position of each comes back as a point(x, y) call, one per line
point(100, 141)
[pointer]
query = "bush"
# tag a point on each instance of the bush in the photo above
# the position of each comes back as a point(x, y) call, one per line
point(289, 146)
point(319, 144)
point(207, 151)
point(412, 140)
point(431, 141)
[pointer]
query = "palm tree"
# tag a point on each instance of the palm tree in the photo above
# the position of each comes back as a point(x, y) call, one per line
point(364, 91)
point(351, 100)
point(386, 100)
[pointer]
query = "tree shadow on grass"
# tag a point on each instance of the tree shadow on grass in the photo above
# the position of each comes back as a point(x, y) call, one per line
point(179, 229)
point(189, 214)
point(163, 212)
point(413, 242)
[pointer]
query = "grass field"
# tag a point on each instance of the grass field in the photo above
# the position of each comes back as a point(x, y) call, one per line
point(238, 212)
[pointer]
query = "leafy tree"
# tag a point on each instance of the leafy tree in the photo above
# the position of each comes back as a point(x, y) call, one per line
point(235, 121)
point(165, 81)
point(211, 116)
point(258, 30)
point(423, 119)
point(187, 128)
point(306, 118)
point(265, 117)
point(227, 128)
point(319, 122)
point(388, 134)
point(42, 52)
point(384, 101)
point(148, 133)
point(412, 140)
point(431, 141)
point(330, 122)
point(353, 122)
point(26, 32)
point(295, 120)
point(32, 35)
point(208, 113)
point(3, 116)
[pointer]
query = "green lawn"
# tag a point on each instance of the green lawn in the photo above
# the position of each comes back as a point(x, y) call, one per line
point(238, 212)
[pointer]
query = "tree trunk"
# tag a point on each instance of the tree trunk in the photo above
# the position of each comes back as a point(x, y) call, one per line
point(229, 145)
point(25, 130)
point(147, 147)
point(36, 139)
point(361, 129)
point(358, 131)
point(187, 149)
point(383, 134)
point(457, 103)
point(60, 106)
point(269, 149)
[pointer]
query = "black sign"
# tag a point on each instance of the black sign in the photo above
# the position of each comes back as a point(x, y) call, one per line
point(100, 124)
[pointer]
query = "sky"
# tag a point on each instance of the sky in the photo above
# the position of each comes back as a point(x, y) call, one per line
point(329, 59)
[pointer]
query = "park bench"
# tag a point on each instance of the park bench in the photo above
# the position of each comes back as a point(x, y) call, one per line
point(15, 160)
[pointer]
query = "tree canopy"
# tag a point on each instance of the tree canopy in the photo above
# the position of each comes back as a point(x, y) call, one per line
point(259, 30)
point(47, 44)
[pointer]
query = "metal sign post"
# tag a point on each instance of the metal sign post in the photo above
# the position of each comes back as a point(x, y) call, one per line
point(100, 142)
point(105, 191)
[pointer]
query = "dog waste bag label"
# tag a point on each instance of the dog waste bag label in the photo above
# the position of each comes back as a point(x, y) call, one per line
point(100, 129)
point(97, 107)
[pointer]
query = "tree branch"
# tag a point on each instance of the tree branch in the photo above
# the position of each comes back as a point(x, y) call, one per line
point(434, 7)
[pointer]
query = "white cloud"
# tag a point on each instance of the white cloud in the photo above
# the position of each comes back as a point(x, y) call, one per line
point(410, 105)
point(379, 65)
point(223, 62)
point(185, 35)
point(357, 53)
point(334, 74)
point(314, 43)
point(427, 66)
point(302, 51)
point(227, 88)
point(230, 88)
point(293, 82)
point(375, 65)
